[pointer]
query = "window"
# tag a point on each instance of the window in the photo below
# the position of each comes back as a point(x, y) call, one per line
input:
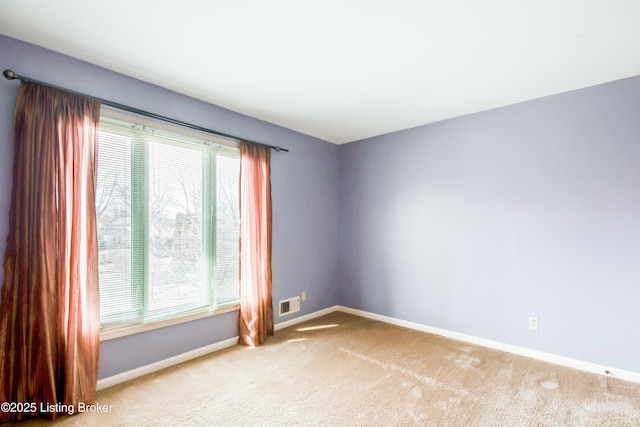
point(168, 223)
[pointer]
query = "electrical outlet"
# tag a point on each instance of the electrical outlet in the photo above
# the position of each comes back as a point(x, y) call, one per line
point(533, 323)
point(304, 295)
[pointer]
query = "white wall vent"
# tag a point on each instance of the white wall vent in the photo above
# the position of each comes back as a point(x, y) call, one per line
point(288, 306)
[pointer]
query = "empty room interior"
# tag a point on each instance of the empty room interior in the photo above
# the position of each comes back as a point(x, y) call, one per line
point(464, 170)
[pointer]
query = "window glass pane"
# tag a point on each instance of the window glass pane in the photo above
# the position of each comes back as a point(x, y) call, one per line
point(119, 300)
point(175, 233)
point(227, 230)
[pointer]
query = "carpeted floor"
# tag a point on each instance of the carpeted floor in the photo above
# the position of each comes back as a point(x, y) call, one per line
point(345, 370)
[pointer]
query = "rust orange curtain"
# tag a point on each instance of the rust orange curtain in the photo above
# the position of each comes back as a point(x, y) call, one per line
point(256, 307)
point(49, 307)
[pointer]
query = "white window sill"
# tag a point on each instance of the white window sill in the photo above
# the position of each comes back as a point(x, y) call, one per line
point(125, 330)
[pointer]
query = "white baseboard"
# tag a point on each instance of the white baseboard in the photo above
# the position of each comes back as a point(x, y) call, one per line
point(546, 357)
point(184, 357)
point(306, 317)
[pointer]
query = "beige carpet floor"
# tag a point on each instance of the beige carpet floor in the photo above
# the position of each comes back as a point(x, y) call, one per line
point(345, 370)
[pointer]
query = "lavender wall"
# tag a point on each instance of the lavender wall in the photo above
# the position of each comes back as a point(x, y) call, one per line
point(305, 195)
point(476, 223)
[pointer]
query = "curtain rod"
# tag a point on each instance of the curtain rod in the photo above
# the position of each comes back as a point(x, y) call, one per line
point(10, 75)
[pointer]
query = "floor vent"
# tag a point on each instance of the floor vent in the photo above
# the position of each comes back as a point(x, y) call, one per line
point(288, 306)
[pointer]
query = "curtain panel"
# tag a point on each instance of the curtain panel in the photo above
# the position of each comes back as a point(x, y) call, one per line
point(256, 306)
point(49, 307)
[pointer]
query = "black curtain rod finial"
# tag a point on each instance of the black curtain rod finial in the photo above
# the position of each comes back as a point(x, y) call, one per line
point(9, 75)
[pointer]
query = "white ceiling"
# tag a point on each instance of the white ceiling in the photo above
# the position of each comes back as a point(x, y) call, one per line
point(343, 70)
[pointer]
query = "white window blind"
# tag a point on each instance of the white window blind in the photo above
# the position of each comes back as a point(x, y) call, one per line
point(168, 224)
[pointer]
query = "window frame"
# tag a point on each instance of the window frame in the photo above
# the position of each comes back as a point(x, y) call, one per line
point(124, 329)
